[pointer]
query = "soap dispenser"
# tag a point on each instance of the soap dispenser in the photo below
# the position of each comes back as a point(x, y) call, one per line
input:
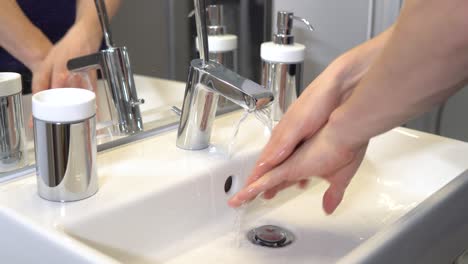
point(222, 46)
point(282, 64)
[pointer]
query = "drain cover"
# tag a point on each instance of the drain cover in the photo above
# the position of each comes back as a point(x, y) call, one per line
point(270, 236)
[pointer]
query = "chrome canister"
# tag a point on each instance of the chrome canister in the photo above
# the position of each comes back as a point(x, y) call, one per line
point(13, 153)
point(65, 144)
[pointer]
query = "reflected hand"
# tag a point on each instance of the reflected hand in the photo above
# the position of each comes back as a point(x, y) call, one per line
point(52, 71)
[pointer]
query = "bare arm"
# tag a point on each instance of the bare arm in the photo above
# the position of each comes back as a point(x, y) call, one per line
point(83, 38)
point(281, 158)
point(20, 37)
point(422, 64)
point(86, 15)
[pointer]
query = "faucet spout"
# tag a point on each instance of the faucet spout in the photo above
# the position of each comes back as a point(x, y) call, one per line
point(243, 92)
point(206, 81)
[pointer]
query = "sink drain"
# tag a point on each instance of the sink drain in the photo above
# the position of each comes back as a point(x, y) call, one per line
point(270, 236)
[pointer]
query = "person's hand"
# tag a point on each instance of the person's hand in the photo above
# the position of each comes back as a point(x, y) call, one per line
point(52, 72)
point(322, 156)
point(305, 143)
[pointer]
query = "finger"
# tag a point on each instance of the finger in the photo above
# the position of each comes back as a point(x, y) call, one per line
point(271, 193)
point(93, 80)
point(292, 170)
point(60, 76)
point(248, 193)
point(30, 123)
point(41, 80)
point(59, 79)
point(332, 198)
point(303, 184)
point(298, 123)
point(75, 80)
point(339, 182)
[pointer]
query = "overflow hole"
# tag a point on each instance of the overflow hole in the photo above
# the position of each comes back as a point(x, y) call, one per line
point(228, 184)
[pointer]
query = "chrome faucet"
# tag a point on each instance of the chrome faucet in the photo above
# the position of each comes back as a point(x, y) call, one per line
point(114, 63)
point(206, 81)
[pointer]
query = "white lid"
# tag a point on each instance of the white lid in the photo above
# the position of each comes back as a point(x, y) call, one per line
point(272, 52)
point(64, 105)
point(220, 43)
point(10, 83)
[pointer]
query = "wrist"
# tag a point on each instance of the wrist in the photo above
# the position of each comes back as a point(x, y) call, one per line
point(89, 31)
point(343, 130)
point(35, 54)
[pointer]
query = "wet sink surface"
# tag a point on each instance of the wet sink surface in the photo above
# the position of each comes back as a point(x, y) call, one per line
point(160, 204)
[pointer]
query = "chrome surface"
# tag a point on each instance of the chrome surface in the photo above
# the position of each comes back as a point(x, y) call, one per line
point(250, 21)
point(215, 20)
point(205, 83)
point(284, 25)
point(66, 159)
point(176, 110)
point(200, 22)
point(104, 20)
point(283, 79)
point(216, 27)
point(227, 58)
point(12, 134)
point(285, 82)
point(114, 63)
point(270, 236)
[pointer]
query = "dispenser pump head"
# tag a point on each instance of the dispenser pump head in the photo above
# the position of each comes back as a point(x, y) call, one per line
point(214, 19)
point(284, 26)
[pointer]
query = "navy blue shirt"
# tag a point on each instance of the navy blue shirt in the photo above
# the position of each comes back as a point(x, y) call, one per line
point(53, 18)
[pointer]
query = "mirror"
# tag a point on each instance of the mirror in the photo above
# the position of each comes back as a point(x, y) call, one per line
point(160, 37)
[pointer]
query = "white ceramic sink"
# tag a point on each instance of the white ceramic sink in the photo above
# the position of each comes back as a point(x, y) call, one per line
point(160, 204)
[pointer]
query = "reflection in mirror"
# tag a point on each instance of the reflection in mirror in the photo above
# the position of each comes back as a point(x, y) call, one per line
point(160, 38)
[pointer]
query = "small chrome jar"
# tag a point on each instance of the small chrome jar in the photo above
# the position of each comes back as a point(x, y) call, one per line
point(65, 143)
point(12, 135)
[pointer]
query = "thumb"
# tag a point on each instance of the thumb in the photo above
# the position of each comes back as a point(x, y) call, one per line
point(41, 80)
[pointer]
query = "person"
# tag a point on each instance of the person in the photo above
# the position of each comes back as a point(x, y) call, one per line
point(37, 38)
point(416, 64)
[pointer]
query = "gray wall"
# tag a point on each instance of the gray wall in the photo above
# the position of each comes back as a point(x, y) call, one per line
point(340, 25)
point(143, 26)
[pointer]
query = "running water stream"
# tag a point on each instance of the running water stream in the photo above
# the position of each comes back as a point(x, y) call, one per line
point(263, 115)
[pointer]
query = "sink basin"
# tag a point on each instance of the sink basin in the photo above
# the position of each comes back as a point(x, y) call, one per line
point(161, 204)
point(22, 242)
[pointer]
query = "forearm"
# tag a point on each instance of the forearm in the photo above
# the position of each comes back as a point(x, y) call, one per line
point(86, 15)
point(352, 65)
point(422, 64)
point(20, 37)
